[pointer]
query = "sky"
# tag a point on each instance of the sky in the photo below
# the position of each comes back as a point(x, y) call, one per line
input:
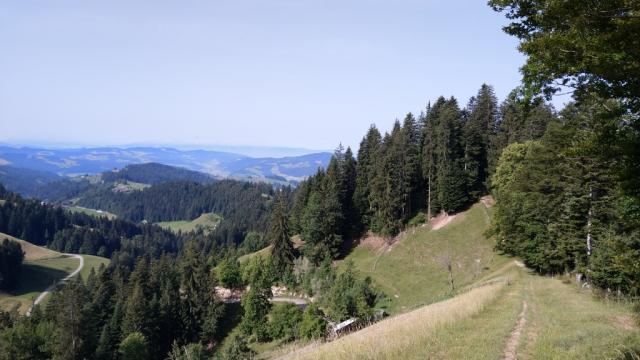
point(278, 73)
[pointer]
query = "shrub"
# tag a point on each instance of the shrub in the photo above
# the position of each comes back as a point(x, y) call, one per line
point(228, 274)
point(134, 347)
point(419, 219)
point(313, 325)
point(284, 321)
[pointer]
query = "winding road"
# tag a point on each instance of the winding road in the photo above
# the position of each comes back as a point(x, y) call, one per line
point(51, 287)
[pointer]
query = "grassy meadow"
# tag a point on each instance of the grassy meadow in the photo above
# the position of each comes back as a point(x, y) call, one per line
point(561, 321)
point(92, 212)
point(413, 272)
point(41, 268)
point(206, 221)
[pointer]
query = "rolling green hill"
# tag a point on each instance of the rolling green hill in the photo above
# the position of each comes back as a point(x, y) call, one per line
point(41, 268)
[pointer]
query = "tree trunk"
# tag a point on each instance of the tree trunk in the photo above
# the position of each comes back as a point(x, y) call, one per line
point(589, 215)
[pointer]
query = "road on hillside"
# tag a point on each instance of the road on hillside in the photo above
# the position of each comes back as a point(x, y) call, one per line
point(51, 287)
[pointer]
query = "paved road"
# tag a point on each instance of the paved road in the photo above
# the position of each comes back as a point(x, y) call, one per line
point(50, 288)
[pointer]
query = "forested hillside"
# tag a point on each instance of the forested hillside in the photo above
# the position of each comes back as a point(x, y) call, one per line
point(441, 161)
point(155, 173)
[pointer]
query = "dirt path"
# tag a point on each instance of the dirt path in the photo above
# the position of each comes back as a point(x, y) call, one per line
point(290, 299)
point(50, 288)
point(514, 339)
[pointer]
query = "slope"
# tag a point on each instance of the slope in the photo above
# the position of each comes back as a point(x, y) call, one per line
point(413, 270)
point(510, 314)
point(42, 268)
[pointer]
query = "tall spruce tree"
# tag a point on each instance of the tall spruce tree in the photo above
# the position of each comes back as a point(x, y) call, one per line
point(430, 155)
point(451, 188)
point(482, 115)
point(282, 251)
point(365, 173)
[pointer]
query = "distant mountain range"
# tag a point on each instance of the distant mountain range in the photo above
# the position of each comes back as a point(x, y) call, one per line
point(50, 164)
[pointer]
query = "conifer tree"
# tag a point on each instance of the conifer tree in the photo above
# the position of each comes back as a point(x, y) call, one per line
point(365, 173)
point(483, 113)
point(282, 251)
point(451, 183)
point(430, 155)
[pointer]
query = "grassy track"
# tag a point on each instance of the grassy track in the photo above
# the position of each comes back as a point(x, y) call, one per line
point(498, 305)
point(206, 221)
point(562, 322)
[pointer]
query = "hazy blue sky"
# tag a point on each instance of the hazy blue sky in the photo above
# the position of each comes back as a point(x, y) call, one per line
point(277, 73)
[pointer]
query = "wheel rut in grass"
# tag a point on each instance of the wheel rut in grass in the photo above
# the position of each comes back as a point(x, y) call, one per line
point(514, 339)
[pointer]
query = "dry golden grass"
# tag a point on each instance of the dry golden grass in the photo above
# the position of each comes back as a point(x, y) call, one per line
point(395, 337)
point(32, 252)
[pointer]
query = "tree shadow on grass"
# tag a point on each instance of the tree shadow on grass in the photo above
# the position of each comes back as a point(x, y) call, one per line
point(35, 278)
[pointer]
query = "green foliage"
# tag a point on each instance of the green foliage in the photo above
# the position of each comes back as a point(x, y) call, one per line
point(256, 306)
point(238, 349)
point(419, 219)
point(228, 274)
point(11, 257)
point(282, 251)
point(578, 44)
point(584, 46)
point(284, 321)
point(193, 351)
point(134, 347)
point(559, 206)
point(254, 241)
point(365, 175)
point(350, 296)
point(313, 325)
point(258, 271)
point(28, 340)
point(483, 115)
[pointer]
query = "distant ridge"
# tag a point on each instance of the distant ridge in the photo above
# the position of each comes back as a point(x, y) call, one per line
point(219, 164)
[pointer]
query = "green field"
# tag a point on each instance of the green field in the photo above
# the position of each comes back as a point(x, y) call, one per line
point(92, 212)
point(45, 268)
point(413, 271)
point(206, 221)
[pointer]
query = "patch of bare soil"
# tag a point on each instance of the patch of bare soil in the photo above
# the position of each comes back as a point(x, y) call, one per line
point(488, 201)
point(374, 241)
point(624, 322)
point(442, 220)
point(514, 339)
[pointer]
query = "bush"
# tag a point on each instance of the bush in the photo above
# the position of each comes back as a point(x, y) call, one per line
point(313, 325)
point(419, 219)
point(193, 351)
point(238, 349)
point(284, 321)
point(350, 296)
point(228, 274)
point(134, 347)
